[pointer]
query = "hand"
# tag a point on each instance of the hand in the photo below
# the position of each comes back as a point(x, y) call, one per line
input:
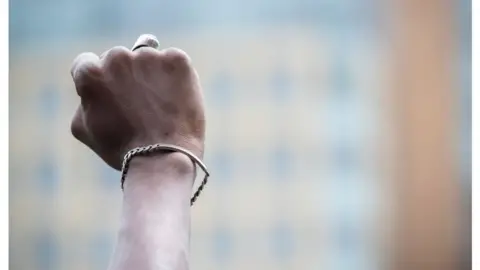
point(136, 98)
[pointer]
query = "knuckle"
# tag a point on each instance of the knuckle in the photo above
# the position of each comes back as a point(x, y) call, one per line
point(76, 128)
point(118, 54)
point(177, 57)
point(86, 78)
point(146, 54)
point(88, 70)
point(85, 63)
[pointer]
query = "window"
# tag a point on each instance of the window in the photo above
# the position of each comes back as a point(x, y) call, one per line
point(46, 251)
point(48, 173)
point(222, 244)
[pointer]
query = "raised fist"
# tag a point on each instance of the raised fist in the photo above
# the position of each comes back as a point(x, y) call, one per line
point(137, 98)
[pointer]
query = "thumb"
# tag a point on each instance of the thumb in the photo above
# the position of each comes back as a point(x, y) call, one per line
point(77, 126)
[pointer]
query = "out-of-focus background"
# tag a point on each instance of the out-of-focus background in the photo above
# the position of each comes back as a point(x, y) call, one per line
point(338, 132)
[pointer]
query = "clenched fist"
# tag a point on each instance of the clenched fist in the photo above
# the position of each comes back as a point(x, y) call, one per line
point(137, 98)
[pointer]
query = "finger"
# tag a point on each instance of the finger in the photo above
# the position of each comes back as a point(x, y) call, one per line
point(77, 126)
point(85, 71)
point(146, 40)
point(177, 57)
point(117, 62)
point(84, 62)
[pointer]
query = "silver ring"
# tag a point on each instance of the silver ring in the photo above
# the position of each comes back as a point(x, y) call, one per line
point(139, 46)
point(146, 40)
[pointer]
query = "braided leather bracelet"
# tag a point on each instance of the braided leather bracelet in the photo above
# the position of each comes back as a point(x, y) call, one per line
point(146, 150)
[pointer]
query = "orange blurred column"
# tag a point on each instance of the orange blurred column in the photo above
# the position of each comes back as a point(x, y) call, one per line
point(428, 181)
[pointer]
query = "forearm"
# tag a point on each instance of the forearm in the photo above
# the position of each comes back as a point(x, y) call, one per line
point(155, 225)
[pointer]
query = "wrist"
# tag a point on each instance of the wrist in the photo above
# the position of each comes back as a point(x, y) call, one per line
point(160, 167)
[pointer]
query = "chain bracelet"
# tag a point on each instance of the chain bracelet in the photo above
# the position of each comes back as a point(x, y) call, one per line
point(146, 150)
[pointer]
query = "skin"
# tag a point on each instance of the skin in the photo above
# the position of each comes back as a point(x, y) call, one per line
point(131, 99)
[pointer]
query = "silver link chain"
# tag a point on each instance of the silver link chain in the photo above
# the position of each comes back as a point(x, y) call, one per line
point(146, 150)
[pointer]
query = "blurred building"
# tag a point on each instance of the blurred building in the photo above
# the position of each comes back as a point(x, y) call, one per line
point(301, 135)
